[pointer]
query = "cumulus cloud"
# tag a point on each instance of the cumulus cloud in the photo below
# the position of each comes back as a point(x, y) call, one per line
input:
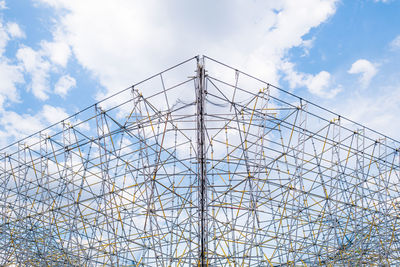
point(17, 126)
point(321, 84)
point(14, 30)
point(395, 44)
point(64, 84)
point(10, 76)
point(4, 38)
point(122, 41)
point(377, 110)
point(38, 65)
point(34, 63)
point(149, 37)
point(53, 114)
point(9, 31)
point(366, 69)
point(41, 63)
point(3, 4)
point(307, 45)
point(59, 52)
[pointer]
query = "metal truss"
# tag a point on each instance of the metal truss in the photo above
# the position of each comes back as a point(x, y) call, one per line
point(201, 165)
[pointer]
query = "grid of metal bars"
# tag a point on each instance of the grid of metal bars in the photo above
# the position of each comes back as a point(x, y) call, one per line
point(217, 168)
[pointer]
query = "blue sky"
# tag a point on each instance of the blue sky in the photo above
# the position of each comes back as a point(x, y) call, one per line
point(59, 56)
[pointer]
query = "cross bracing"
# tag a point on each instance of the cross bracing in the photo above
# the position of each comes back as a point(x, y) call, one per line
point(201, 164)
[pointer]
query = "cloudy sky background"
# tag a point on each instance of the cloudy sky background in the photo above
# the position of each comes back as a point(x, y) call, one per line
point(59, 56)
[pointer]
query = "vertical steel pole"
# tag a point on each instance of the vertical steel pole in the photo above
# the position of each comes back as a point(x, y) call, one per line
point(201, 157)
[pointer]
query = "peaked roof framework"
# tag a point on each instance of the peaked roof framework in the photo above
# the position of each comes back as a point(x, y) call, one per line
point(213, 167)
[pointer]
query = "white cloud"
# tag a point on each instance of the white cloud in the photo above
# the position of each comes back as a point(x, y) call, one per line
point(42, 63)
point(58, 52)
point(64, 84)
point(14, 30)
point(3, 4)
point(34, 63)
point(149, 37)
point(123, 41)
point(321, 84)
point(307, 45)
point(8, 32)
point(38, 64)
point(10, 75)
point(4, 38)
point(395, 44)
point(378, 110)
point(17, 126)
point(53, 114)
point(366, 69)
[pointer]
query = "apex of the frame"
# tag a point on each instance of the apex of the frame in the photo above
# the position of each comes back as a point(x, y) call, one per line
point(200, 60)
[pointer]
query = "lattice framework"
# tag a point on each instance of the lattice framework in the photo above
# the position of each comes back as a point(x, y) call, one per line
point(218, 169)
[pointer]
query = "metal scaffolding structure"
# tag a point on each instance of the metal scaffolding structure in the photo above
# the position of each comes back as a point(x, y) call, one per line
point(201, 165)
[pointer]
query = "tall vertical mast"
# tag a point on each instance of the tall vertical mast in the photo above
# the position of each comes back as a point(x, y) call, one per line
point(201, 157)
